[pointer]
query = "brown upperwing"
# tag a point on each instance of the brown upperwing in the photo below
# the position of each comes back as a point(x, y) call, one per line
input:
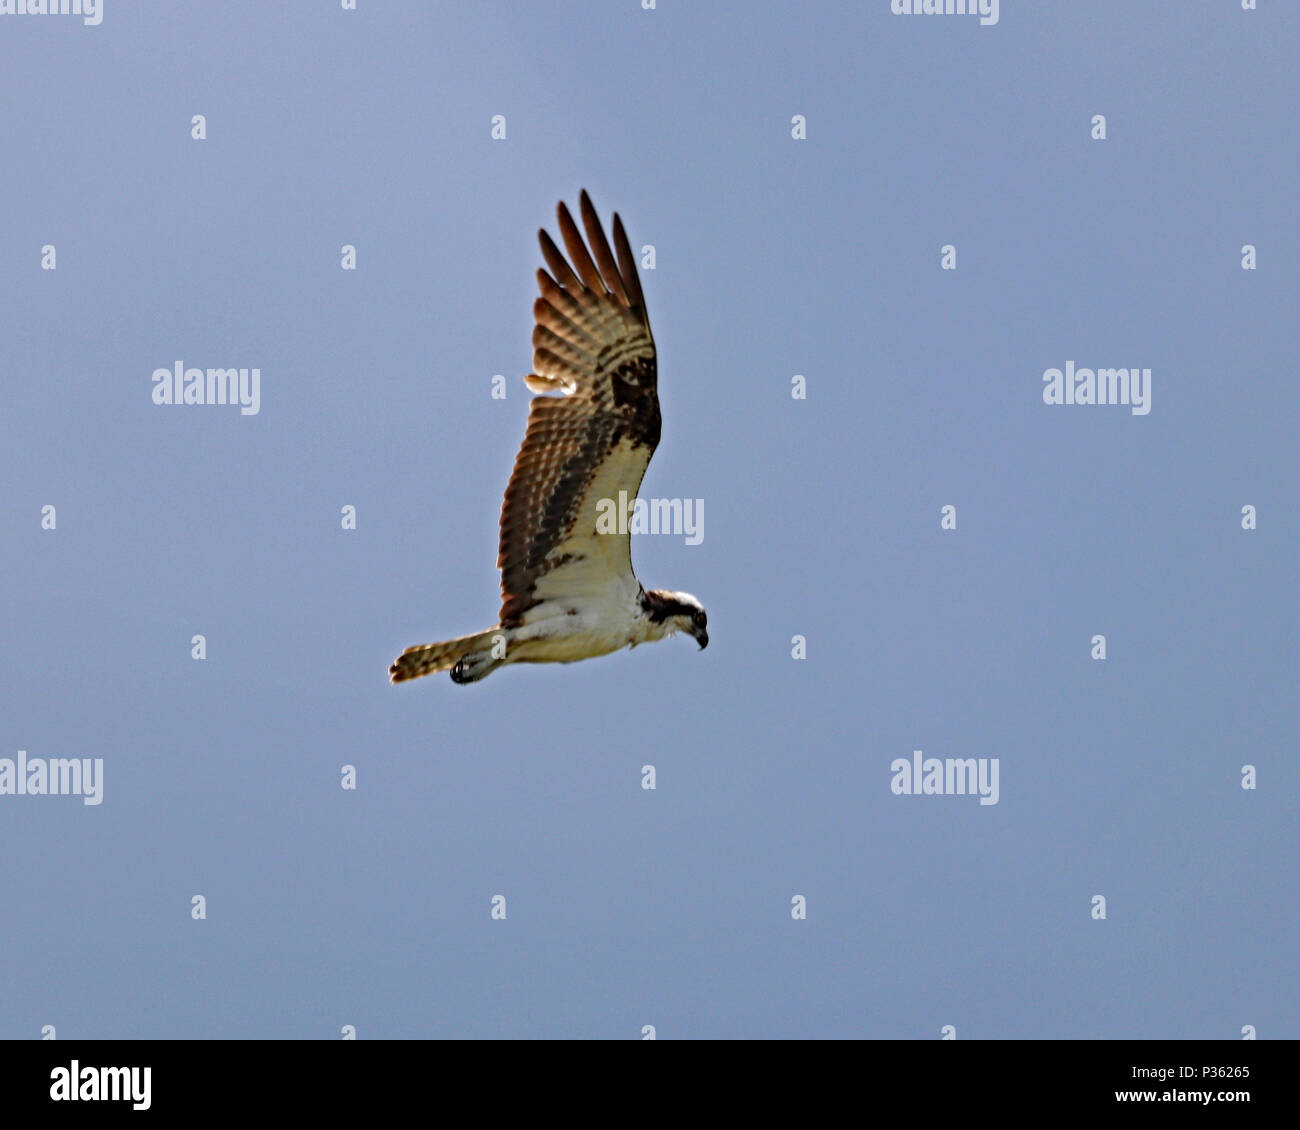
point(591, 341)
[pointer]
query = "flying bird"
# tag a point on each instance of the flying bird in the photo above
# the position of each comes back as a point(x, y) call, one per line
point(568, 591)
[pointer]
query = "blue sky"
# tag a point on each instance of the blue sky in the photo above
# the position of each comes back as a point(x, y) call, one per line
point(774, 257)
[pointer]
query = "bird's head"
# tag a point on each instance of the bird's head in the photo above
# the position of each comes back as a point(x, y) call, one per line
point(678, 612)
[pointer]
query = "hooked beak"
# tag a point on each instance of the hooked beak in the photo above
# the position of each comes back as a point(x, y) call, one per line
point(701, 636)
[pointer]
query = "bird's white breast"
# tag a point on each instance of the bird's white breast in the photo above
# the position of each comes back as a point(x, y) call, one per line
point(580, 628)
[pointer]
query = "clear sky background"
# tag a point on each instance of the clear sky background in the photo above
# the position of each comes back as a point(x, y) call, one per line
point(775, 257)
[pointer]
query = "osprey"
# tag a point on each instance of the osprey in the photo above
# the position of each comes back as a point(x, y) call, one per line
point(567, 586)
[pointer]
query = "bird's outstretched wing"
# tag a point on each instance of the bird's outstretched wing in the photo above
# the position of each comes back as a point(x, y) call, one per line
point(592, 344)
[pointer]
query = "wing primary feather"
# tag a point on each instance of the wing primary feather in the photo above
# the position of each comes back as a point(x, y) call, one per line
point(578, 251)
point(600, 249)
point(627, 266)
point(559, 266)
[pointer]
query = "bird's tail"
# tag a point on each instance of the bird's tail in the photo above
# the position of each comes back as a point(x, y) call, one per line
point(429, 658)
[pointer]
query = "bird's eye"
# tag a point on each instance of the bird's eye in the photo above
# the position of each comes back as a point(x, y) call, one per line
point(700, 619)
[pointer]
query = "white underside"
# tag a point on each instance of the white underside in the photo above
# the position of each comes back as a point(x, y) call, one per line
point(564, 631)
